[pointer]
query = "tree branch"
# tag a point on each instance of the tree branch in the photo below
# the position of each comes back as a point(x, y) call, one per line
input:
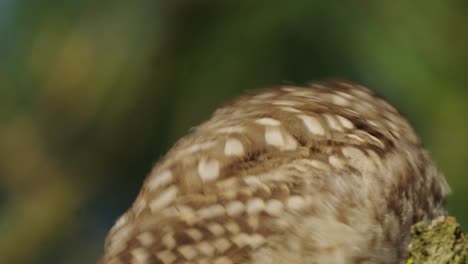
point(438, 243)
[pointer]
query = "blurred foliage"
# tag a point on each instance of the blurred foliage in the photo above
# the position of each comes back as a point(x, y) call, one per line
point(92, 93)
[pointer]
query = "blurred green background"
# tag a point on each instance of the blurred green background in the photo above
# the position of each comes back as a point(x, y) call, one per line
point(92, 93)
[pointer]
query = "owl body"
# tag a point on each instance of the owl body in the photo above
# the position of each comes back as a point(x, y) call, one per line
point(329, 173)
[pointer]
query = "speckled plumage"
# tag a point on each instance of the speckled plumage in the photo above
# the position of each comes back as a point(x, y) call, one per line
point(329, 173)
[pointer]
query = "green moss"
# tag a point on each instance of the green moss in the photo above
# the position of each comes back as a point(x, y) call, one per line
point(440, 242)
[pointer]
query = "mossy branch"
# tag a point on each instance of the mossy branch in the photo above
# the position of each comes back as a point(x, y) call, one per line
point(440, 242)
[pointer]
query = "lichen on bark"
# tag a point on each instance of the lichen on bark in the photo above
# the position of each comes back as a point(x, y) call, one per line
point(440, 242)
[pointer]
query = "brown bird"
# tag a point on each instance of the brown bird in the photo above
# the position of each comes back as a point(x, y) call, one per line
point(329, 173)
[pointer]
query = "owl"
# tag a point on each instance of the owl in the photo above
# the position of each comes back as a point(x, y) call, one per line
point(328, 173)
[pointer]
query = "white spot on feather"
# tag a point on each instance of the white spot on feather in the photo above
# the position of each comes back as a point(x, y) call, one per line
point(208, 169)
point(206, 249)
point(338, 100)
point(119, 240)
point(284, 102)
point(169, 241)
point(345, 95)
point(235, 208)
point(312, 124)
point(253, 181)
point(256, 240)
point(290, 109)
point(211, 211)
point(233, 147)
point(187, 214)
point(273, 136)
point(291, 143)
point(140, 256)
point(121, 222)
point(255, 206)
point(231, 129)
point(371, 139)
point(353, 153)
point(335, 161)
point(290, 89)
point(266, 121)
point(216, 229)
point(332, 123)
point(319, 165)
point(161, 179)
point(232, 227)
point(166, 256)
point(274, 207)
point(123, 234)
point(295, 202)
point(194, 233)
point(345, 122)
point(146, 239)
point(222, 245)
point(164, 199)
point(240, 239)
point(189, 252)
